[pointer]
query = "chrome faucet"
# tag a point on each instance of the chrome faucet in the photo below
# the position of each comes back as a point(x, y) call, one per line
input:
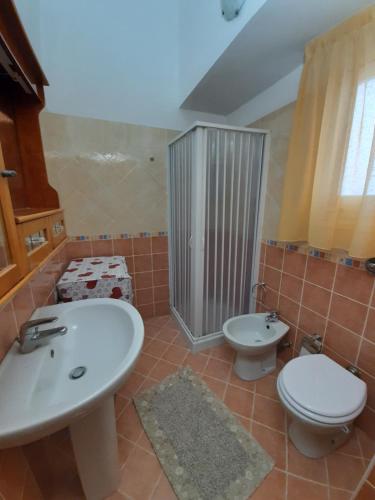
point(31, 337)
point(272, 317)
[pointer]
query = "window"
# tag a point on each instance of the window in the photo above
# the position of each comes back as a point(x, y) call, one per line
point(359, 171)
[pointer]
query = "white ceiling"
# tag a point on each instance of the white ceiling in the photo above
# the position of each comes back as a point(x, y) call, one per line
point(269, 47)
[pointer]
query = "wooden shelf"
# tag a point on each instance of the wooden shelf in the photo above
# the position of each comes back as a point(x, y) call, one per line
point(32, 222)
point(22, 215)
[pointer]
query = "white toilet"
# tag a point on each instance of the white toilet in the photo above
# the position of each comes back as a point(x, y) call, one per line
point(322, 400)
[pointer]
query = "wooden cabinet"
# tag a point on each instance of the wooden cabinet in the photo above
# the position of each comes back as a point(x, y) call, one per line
point(57, 224)
point(10, 253)
point(35, 240)
point(39, 232)
point(31, 220)
point(27, 236)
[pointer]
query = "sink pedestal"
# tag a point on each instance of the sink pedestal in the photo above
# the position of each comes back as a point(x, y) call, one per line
point(94, 441)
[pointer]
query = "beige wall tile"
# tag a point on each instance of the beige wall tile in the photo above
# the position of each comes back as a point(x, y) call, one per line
point(104, 175)
point(279, 123)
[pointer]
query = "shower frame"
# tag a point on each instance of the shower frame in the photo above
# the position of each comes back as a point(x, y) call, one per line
point(199, 151)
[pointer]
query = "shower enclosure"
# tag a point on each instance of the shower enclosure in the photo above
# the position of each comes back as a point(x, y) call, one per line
point(215, 175)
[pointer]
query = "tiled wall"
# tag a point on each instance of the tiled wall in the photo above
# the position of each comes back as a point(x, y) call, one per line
point(336, 301)
point(38, 292)
point(147, 261)
point(17, 481)
point(110, 176)
point(316, 294)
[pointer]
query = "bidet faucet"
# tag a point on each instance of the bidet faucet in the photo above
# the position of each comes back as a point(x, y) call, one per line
point(31, 337)
point(272, 317)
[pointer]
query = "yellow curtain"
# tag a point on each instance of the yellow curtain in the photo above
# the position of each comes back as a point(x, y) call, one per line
point(329, 187)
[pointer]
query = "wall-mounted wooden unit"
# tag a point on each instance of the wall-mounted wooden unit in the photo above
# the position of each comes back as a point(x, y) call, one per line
point(39, 232)
point(31, 220)
point(22, 84)
point(11, 257)
point(35, 238)
point(58, 230)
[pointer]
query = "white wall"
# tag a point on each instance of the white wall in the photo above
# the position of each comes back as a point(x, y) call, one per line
point(29, 12)
point(115, 60)
point(204, 35)
point(132, 61)
point(275, 97)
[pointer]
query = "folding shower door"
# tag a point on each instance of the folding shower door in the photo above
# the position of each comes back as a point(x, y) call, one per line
point(214, 191)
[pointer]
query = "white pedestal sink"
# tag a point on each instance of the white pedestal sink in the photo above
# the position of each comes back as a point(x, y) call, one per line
point(38, 397)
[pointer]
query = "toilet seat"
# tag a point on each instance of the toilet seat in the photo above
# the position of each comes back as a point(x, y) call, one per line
point(319, 389)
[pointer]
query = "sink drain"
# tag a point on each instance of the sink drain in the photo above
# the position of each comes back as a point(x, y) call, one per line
point(77, 372)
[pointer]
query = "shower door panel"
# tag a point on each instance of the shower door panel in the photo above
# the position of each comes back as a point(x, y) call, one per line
point(180, 188)
point(233, 169)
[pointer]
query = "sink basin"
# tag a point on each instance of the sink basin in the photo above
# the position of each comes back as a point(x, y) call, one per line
point(38, 397)
point(255, 341)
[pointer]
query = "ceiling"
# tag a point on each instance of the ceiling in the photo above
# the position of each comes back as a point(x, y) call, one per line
point(269, 47)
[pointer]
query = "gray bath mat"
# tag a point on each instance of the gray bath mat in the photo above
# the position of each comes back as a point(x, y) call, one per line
point(204, 450)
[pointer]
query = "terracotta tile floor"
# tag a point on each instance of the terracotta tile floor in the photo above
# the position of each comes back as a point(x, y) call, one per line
point(256, 405)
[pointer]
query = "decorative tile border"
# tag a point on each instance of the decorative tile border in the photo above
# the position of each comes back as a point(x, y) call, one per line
point(338, 256)
point(79, 238)
point(121, 236)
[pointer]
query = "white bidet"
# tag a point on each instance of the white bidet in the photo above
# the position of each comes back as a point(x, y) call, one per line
point(255, 341)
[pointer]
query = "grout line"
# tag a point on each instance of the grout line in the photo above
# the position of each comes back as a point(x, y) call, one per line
point(291, 474)
point(253, 411)
point(327, 476)
point(287, 449)
point(360, 447)
point(262, 424)
point(372, 295)
point(26, 470)
point(326, 318)
point(286, 465)
point(358, 443)
point(128, 402)
point(300, 304)
point(156, 484)
point(329, 307)
point(205, 366)
point(363, 458)
point(225, 391)
point(367, 304)
point(335, 323)
point(286, 483)
point(281, 278)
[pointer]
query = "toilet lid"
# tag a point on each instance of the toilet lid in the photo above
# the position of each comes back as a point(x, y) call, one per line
point(322, 386)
